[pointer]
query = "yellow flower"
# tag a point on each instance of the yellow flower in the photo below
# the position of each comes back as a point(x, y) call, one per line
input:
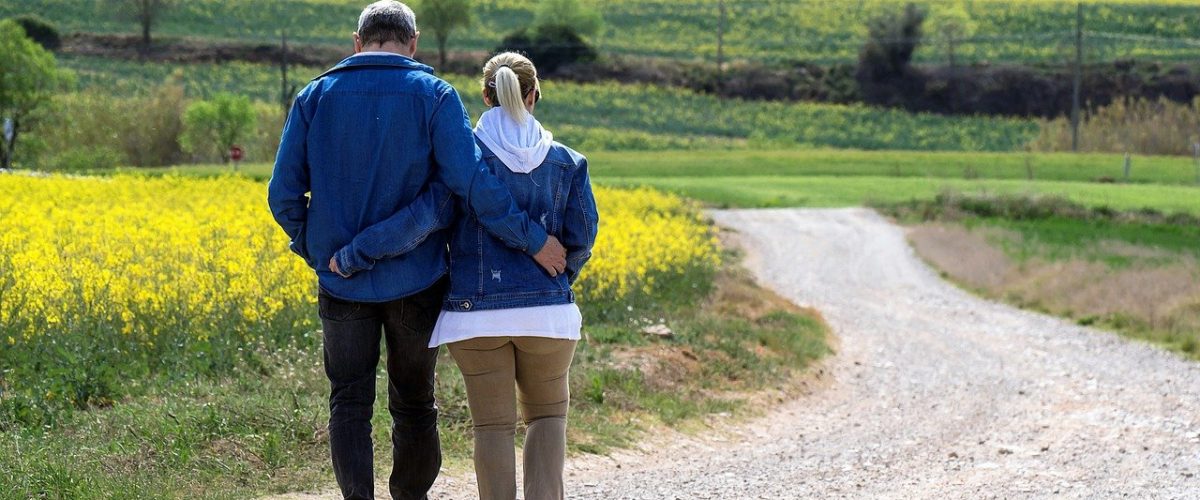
point(171, 260)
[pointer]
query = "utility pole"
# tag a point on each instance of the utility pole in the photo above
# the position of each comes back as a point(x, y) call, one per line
point(721, 47)
point(1078, 77)
point(286, 89)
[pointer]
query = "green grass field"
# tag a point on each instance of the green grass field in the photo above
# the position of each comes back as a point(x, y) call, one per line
point(829, 178)
point(769, 30)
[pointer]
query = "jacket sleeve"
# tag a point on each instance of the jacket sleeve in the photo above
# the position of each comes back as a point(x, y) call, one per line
point(287, 192)
point(581, 222)
point(460, 166)
point(399, 234)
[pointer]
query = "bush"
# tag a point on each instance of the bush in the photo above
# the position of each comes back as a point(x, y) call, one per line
point(549, 47)
point(141, 131)
point(211, 128)
point(1139, 126)
point(40, 31)
point(82, 160)
point(155, 122)
point(262, 142)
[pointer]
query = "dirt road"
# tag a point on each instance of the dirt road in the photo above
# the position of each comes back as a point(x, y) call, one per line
point(934, 393)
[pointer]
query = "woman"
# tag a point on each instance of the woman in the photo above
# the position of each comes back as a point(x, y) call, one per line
point(506, 321)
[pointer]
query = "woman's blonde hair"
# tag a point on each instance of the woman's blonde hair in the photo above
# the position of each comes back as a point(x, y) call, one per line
point(507, 78)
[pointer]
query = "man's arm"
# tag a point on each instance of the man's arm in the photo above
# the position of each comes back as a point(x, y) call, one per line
point(399, 234)
point(581, 222)
point(461, 168)
point(287, 193)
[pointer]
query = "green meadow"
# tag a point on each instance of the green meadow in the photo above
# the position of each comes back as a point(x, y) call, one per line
point(768, 30)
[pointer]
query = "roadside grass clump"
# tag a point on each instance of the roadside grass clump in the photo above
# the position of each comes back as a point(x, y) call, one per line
point(1134, 272)
point(956, 205)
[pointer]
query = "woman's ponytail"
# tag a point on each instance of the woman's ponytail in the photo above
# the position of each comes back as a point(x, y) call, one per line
point(508, 92)
point(507, 78)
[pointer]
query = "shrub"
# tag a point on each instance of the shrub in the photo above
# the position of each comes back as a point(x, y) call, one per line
point(142, 131)
point(40, 31)
point(549, 47)
point(82, 160)
point(152, 133)
point(1140, 126)
point(212, 127)
point(262, 142)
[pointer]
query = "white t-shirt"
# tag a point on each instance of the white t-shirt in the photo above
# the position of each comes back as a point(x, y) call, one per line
point(561, 321)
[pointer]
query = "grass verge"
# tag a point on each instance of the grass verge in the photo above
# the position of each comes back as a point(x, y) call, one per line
point(262, 430)
point(1136, 273)
point(831, 178)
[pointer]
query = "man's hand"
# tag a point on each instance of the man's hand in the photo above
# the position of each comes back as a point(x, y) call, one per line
point(334, 267)
point(552, 257)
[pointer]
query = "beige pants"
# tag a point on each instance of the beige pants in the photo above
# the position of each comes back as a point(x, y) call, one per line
point(539, 368)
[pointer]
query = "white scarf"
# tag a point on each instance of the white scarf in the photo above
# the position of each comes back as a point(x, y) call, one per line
point(521, 148)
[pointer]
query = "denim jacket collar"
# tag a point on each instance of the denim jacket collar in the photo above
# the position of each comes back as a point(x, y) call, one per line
point(371, 60)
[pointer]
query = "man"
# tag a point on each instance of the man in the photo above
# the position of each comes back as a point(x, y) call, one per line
point(376, 136)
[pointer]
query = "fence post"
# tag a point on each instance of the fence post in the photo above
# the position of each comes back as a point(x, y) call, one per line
point(721, 47)
point(284, 98)
point(1196, 159)
point(1078, 77)
point(1128, 165)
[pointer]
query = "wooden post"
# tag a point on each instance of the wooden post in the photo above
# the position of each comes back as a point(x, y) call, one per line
point(1196, 159)
point(1128, 165)
point(721, 47)
point(1078, 77)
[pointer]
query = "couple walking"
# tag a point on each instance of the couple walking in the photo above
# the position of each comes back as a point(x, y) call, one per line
point(384, 188)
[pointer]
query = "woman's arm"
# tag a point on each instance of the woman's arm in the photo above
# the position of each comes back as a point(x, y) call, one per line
point(399, 234)
point(581, 221)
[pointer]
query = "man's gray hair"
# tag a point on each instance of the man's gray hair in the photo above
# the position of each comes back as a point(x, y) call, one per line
point(387, 21)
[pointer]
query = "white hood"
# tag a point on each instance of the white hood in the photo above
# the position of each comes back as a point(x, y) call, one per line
point(522, 148)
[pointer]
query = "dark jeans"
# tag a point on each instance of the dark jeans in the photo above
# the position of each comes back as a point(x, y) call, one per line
point(352, 335)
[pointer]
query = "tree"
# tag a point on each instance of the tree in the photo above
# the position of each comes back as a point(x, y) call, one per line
point(891, 41)
point(41, 31)
point(213, 127)
point(442, 17)
point(953, 23)
point(583, 20)
point(550, 47)
point(145, 12)
point(29, 77)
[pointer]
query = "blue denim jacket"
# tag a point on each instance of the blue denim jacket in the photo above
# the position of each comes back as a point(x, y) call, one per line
point(363, 143)
point(484, 272)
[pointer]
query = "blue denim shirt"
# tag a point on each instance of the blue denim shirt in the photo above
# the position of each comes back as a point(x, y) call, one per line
point(363, 143)
point(484, 272)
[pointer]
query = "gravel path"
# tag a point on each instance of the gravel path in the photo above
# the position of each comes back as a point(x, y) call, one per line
point(933, 393)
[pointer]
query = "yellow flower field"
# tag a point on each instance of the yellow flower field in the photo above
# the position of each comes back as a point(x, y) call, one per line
point(171, 273)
